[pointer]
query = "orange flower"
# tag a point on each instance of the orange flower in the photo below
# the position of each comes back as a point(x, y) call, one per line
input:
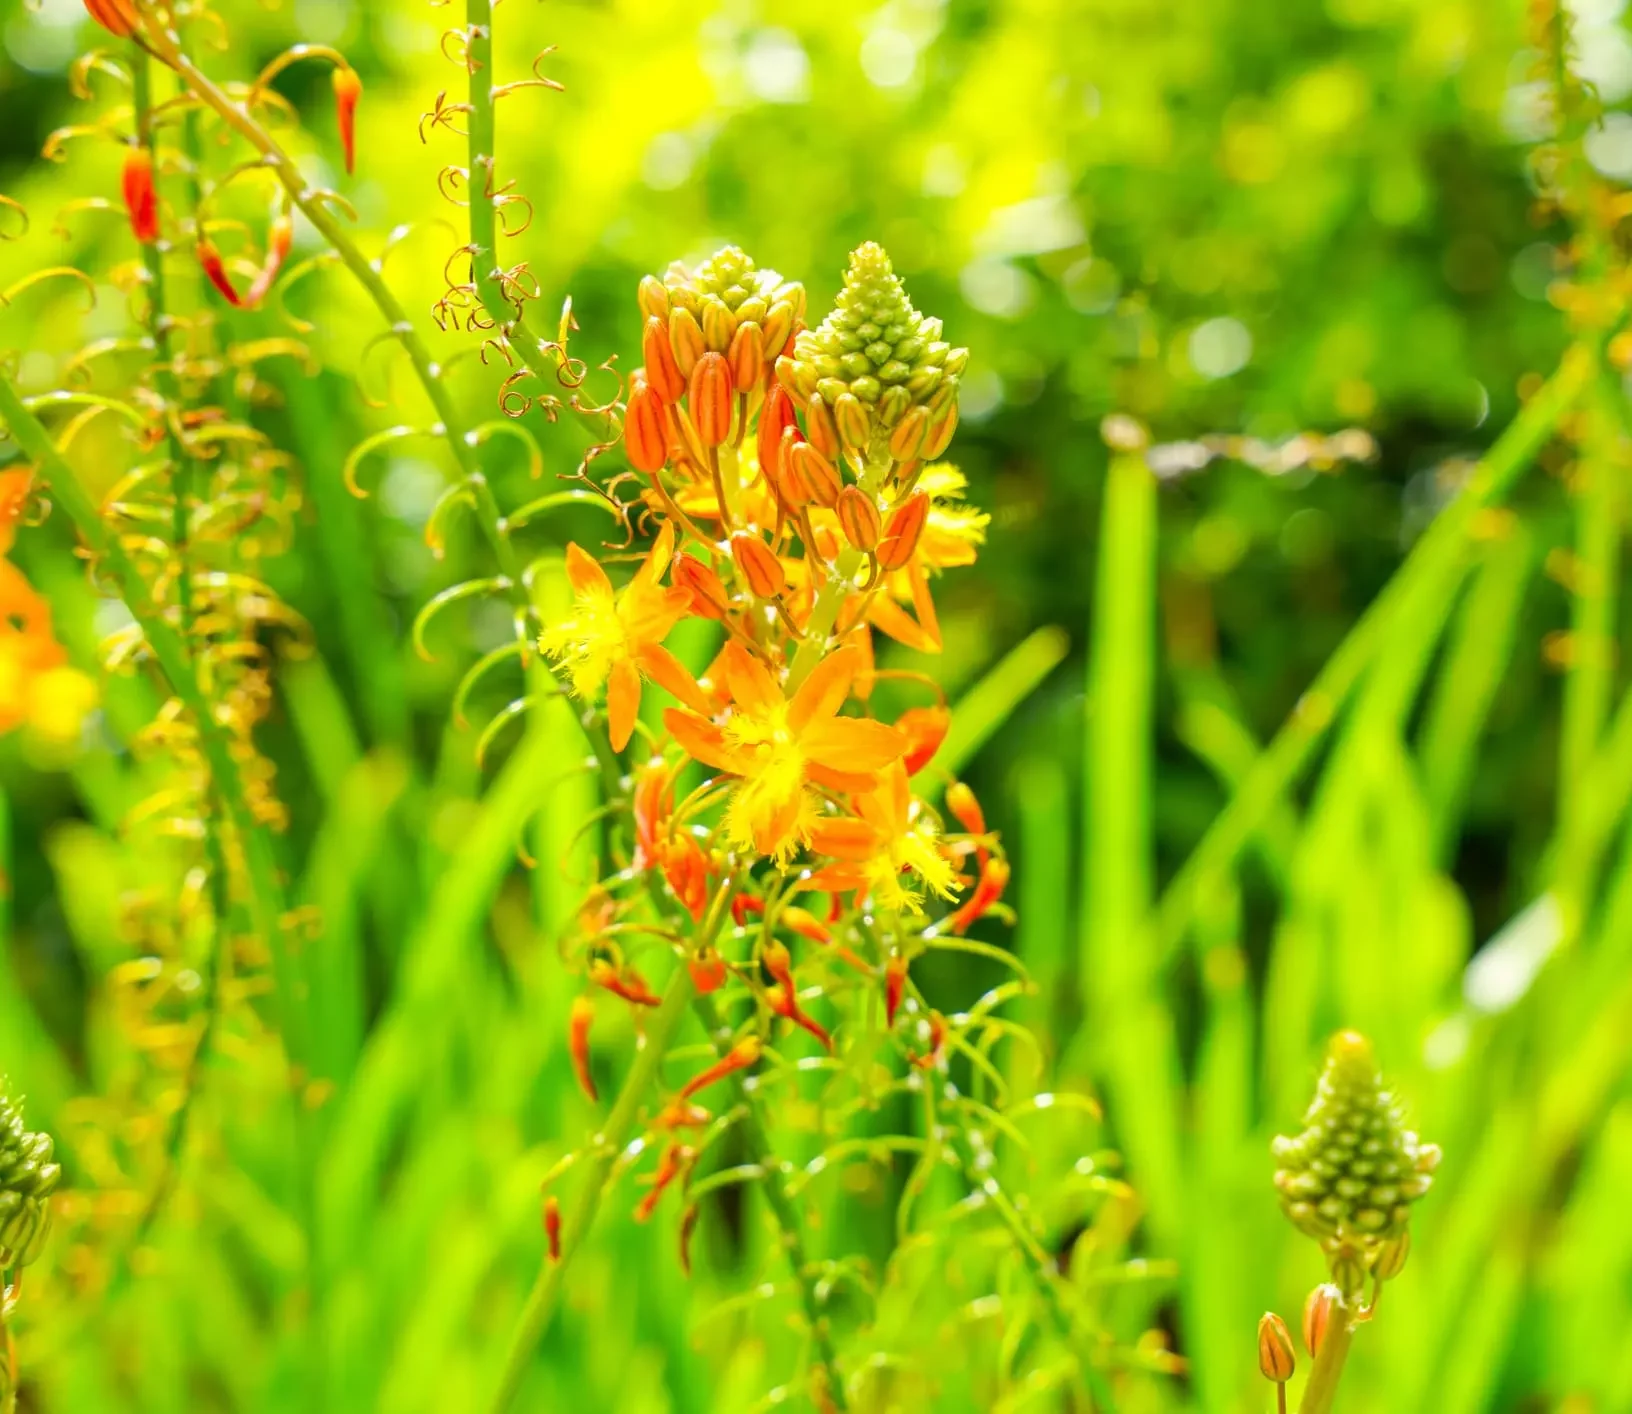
point(781, 747)
point(614, 639)
point(891, 836)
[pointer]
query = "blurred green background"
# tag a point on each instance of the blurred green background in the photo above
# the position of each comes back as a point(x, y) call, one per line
point(1219, 217)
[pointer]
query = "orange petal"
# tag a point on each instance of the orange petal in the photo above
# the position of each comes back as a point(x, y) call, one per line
point(658, 557)
point(823, 692)
point(668, 672)
point(649, 611)
point(852, 744)
point(924, 603)
point(622, 702)
point(852, 783)
point(844, 839)
point(700, 740)
point(584, 572)
point(752, 687)
point(892, 619)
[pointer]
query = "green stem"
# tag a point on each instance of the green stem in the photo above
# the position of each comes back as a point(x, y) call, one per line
point(775, 1187)
point(1284, 758)
point(265, 900)
point(609, 1144)
point(1321, 1391)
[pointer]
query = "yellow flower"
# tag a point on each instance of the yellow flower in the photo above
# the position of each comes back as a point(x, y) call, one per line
point(614, 639)
point(780, 747)
point(891, 838)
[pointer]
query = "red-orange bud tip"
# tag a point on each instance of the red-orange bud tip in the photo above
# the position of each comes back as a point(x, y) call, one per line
point(348, 88)
point(118, 17)
point(552, 1227)
point(141, 196)
point(216, 271)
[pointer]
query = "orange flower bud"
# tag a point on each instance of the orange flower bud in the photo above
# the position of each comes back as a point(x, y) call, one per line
point(895, 984)
point(940, 433)
point(785, 1004)
point(819, 426)
point(925, 729)
point(779, 963)
point(747, 356)
point(901, 535)
point(669, 1167)
point(708, 972)
point(803, 922)
point(994, 878)
point(759, 565)
point(798, 378)
point(1276, 1358)
point(583, 1014)
point(743, 905)
point(141, 197)
point(711, 392)
point(281, 238)
point(348, 88)
point(816, 474)
point(859, 518)
point(850, 418)
point(662, 372)
point(686, 339)
point(708, 596)
point(552, 1227)
point(960, 800)
point(739, 1057)
point(627, 984)
point(774, 419)
point(778, 328)
point(653, 298)
point(787, 482)
point(719, 325)
point(909, 434)
point(646, 429)
point(1317, 1315)
point(118, 17)
point(210, 258)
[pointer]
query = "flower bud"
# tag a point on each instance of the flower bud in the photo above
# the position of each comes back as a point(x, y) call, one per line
point(348, 88)
point(819, 426)
point(859, 518)
point(711, 393)
point(775, 418)
point(1390, 1259)
point(1349, 1271)
point(759, 565)
point(786, 481)
point(901, 535)
point(662, 372)
point(909, 433)
point(28, 1177)
point(686, 340)
point(779, 320)
point(578, 1024)
point(940, 433)
point(960, 800)
point(708, 972)
point(747, 356)
point(653, 299)
point(817, 475)
point(552, 1227)
point(118, 17)
point(141, 197)
point(1276, 1359)
point(1317, 1315)
point(216, 271)
point(850, 418)
point(278, 242)
point(708, 597)
point(646, 429)
point(895, 985)
point(719, 326)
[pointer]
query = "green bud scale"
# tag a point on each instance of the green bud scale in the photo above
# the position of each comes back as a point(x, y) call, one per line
point(1350, 1177)
point(28, 1177)
point(877, 350)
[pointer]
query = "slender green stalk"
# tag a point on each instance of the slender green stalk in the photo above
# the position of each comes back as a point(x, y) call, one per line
point(775, 1188)
point(265, 902)
point(609, 1143)
point(1321, 1391)
point(1381, 624)
point(483, 214)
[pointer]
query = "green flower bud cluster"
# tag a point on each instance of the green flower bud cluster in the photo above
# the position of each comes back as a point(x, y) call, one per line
point(27, 1180)
point(877, 351)
point(1350, 1177)
point(724, 293)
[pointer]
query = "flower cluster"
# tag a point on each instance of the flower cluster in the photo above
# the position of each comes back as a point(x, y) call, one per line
point(786, 472)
